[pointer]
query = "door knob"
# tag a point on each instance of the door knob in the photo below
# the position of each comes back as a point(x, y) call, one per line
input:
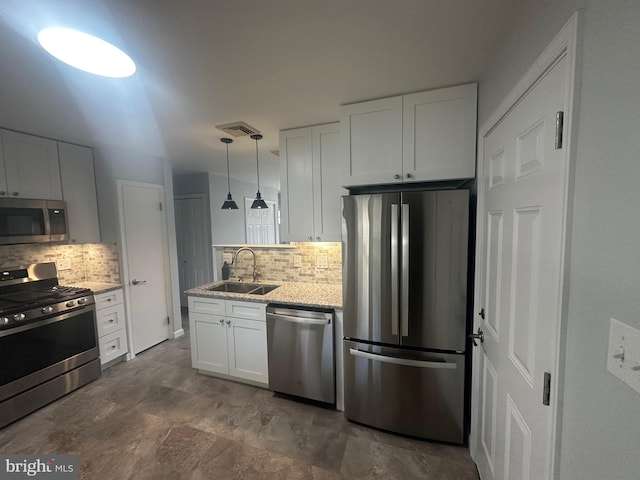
point(135, 281)
point(477, 336)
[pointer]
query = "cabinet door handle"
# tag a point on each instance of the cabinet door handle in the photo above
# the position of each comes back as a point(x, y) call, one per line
point(397, 177)
point(15, 194)
point(409, 175)
point(222, 321)
point(228, 322)
point(3, 193)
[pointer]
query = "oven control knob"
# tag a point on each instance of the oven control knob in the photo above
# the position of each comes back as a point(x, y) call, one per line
point(48, 309)
point(82, 301)
point(4, 320)
point(18, 317)
point(70, 303)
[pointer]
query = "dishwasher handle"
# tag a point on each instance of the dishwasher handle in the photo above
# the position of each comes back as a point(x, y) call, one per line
point(303, 320)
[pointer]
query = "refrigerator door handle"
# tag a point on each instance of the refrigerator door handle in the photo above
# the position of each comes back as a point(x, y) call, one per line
point(404, 288)
point(394, 269)
point(402, 361)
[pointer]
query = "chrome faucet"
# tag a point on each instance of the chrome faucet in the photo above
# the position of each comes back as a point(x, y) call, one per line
point(255, 269)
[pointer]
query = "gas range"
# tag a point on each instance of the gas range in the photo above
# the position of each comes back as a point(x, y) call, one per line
point(28, 294)
point(48, 339)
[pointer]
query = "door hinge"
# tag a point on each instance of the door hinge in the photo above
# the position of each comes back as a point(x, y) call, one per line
point(160, 205)
point(168, 321)
point(559, 126)
point(546, 389)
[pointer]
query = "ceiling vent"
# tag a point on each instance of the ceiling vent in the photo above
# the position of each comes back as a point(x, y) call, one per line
point(238, 129)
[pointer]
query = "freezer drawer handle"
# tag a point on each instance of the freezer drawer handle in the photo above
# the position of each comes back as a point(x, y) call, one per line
point(402, 361)
point(308, 321)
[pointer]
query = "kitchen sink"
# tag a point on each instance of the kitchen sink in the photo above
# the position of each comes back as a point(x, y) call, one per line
point(241, 287)
point(262, 289)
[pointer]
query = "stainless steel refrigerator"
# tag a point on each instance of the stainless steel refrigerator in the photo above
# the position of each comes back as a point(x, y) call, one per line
point(405, 311)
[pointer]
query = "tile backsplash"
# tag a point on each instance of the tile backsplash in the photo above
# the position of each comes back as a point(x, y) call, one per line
point(96, 262)
point(312, 262)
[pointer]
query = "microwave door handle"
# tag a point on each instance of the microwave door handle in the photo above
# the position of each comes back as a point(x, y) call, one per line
point(404, 287)
point(394, 269)
point(47, 221)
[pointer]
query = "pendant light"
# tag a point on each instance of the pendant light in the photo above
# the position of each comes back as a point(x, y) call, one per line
point(258, 203)
point(229, 203)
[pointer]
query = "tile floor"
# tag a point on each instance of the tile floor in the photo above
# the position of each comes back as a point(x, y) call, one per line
point(156, 418)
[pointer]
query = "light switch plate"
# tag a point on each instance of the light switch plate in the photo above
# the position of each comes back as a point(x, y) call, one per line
point(623, 356)
point(322, 261)
point(227, 257)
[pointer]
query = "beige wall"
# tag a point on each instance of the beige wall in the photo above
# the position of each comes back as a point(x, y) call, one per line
point(277, 264)
point(96, 262)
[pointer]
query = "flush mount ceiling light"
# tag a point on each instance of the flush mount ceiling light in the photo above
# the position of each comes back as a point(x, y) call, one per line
point(86, 52)
point(229, 203)
point(258, 202)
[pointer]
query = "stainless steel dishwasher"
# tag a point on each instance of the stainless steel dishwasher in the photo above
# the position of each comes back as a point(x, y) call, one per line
point(301, 352)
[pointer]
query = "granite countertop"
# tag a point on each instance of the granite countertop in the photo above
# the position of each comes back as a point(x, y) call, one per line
point(99, 287)
point(303, 294)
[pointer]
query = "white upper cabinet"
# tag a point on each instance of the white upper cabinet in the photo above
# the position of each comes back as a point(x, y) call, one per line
point(79, 191)
point(30, 167)
point(310, 183)
point(372, 139)
point(420, 137)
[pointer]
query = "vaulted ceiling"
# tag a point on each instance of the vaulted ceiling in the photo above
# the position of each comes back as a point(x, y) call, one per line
point(275, 64)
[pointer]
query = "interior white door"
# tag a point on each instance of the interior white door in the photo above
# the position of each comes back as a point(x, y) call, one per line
point(192, 243)
point(523, 191)
point(260, 224)
point(145, 243)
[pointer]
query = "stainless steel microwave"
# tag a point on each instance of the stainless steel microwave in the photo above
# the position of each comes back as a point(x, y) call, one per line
point(32, 221)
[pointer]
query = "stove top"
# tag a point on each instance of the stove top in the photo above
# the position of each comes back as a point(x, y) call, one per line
point(31, 293)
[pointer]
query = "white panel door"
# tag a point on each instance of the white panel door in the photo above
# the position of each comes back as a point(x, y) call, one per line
point(260, 223)
point(523, 191)
point(145, 239)
point(192, 241)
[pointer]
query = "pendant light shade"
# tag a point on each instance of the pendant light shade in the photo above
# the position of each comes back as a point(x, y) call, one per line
point(258, 203)
point(229, 203)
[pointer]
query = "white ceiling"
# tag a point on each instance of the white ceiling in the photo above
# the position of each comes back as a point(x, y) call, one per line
point(274, 64)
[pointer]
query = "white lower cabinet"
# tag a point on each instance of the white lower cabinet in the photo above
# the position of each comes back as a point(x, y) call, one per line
point(229, 338)
point(111, 324)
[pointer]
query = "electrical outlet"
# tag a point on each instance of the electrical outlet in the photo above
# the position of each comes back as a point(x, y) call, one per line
point(63, 264)
point(623, 356)
point(227, 257)
point(297, 260)
point(322, 262)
